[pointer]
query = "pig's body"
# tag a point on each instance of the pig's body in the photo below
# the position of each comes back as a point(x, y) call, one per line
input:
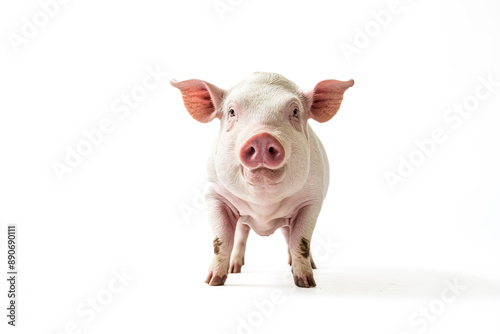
point(265, 216)
point(267, 169)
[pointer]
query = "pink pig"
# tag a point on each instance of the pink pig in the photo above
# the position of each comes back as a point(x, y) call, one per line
point(267, 168)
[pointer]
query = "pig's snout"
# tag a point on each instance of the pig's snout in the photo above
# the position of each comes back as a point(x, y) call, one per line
point(262, 150)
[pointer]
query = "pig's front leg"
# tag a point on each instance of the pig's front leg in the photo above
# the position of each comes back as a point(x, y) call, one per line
point(286, 233)
point(240, 243)
point(223, 222)
point(300, 239)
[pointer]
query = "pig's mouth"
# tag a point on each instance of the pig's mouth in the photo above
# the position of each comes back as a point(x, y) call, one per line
point(262, 175)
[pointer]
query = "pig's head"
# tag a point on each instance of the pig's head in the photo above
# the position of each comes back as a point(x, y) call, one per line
point(263, 149)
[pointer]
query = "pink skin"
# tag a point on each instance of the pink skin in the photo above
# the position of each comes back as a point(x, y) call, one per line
point(267, 169)
point(261, 156)
point(238, 252)
point(286, 233)
point(224, 222)
point(262, 150)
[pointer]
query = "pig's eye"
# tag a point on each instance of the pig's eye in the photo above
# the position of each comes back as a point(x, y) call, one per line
point(232, 113)
point(295, 112)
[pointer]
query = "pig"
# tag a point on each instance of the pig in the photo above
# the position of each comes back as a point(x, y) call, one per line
point(267, 169)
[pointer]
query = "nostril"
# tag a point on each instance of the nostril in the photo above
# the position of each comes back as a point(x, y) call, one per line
point(262, 150)
point(274, 153)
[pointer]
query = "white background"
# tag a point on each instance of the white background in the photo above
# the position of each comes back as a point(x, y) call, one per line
point(388, 252)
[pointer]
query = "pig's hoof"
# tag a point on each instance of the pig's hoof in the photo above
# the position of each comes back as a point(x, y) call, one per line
point(235, 268)
point(304, 281)
point(313, 265)
point(214, 279)
point(236, 264)
point(303, 275)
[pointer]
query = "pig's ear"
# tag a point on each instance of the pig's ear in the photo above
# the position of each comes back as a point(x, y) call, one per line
point(202, 99)
point(326, 97)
